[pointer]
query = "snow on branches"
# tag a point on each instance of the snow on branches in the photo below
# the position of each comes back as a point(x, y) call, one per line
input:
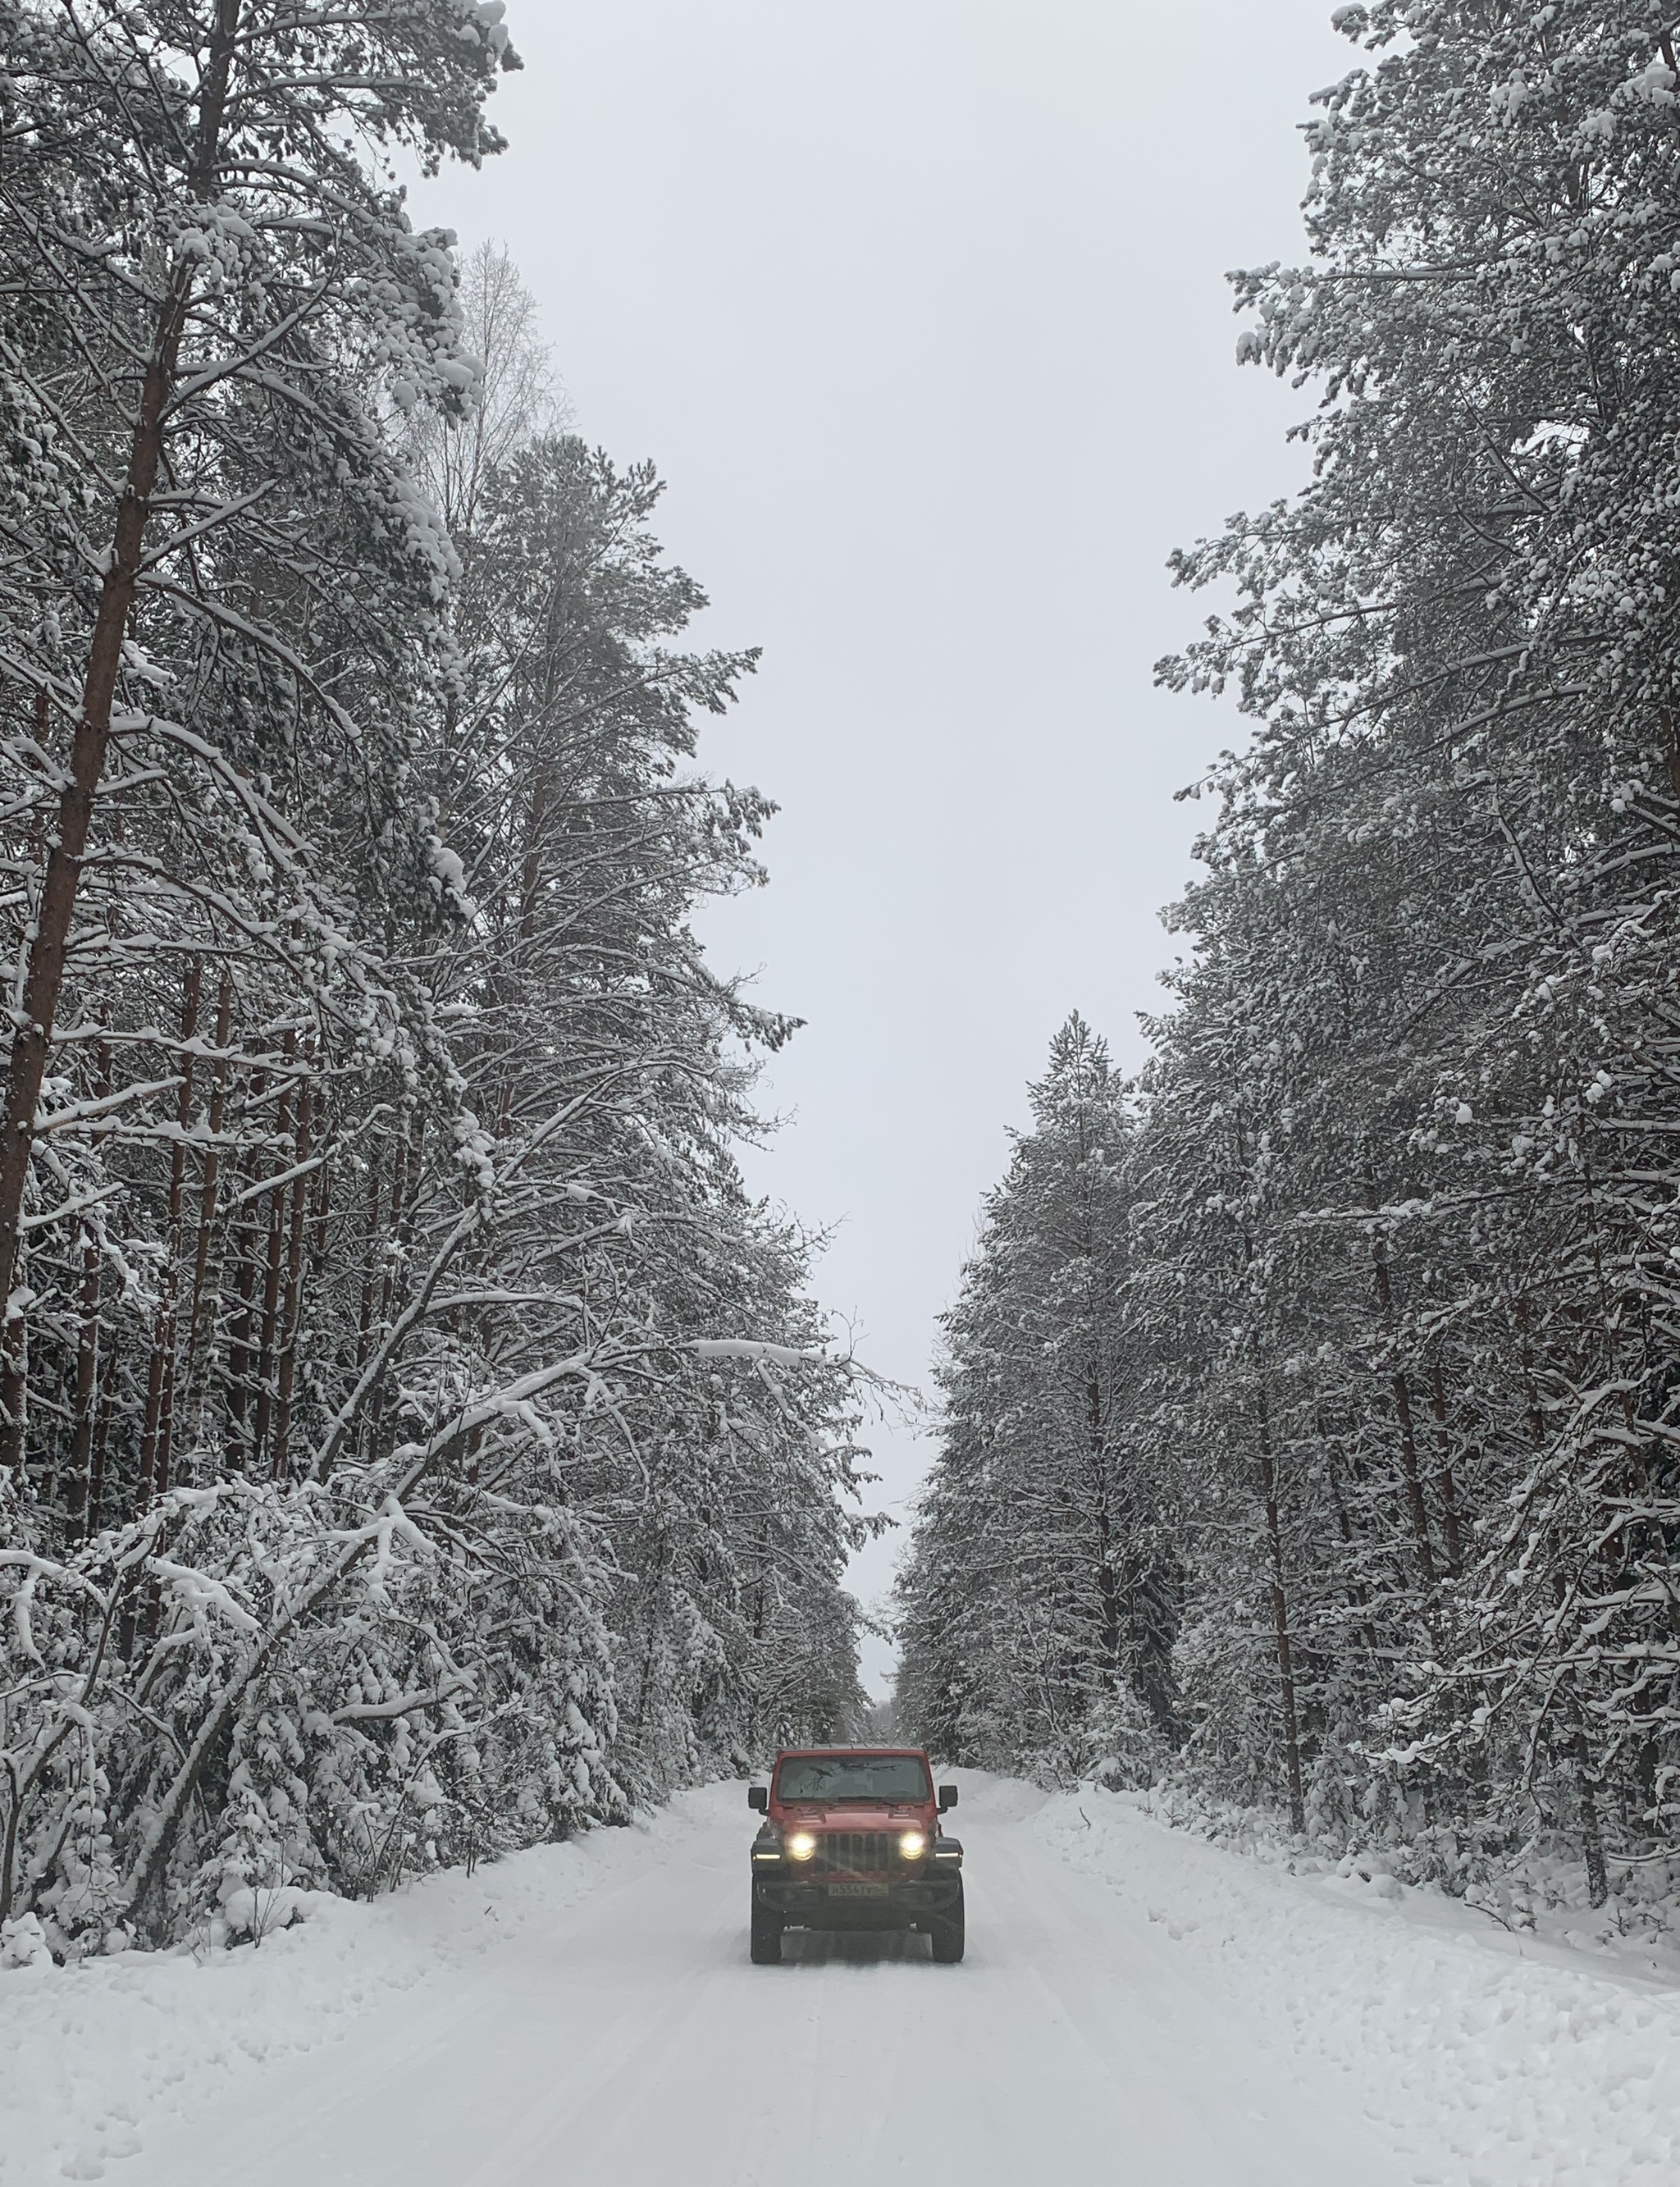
point(413, 1442)
point(1397, 1235)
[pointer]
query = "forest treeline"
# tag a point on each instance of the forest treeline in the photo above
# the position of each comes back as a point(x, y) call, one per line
point(413, 1440)
point(1312, 1426)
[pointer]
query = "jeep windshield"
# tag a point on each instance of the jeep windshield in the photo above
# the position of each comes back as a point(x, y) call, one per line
point(832, 1777)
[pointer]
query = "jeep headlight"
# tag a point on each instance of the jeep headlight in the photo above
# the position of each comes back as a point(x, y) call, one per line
point(911, 1846)
point(800, 1845)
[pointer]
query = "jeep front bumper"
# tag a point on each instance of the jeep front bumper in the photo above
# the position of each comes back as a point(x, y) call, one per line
point(825, 1902)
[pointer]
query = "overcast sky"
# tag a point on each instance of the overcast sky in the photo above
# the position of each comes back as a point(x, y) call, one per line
point(918, 307)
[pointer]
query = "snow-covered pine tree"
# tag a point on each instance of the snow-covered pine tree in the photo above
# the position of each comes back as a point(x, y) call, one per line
point(1403, 1232)
point(372, 1233)
point(212, 297)
point(1041, 1599)
point(1460, 648)
point(592, 1033)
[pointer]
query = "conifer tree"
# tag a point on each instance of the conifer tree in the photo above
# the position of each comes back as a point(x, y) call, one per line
point(1400, 1212)
point(416, 1442)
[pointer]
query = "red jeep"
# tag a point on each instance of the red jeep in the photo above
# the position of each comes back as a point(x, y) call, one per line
point(851, 1840)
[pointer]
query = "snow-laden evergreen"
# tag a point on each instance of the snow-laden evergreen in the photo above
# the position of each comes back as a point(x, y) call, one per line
point(1041, 1616)
point(1393, 1253)
point(415, 1441)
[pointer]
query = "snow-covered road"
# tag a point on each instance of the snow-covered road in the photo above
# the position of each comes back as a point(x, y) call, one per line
point(1136, 2006)
point(630, 2040)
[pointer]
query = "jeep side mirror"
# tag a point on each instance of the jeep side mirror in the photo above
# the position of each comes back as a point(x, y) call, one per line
point(947, 1797)
point(758, 1795)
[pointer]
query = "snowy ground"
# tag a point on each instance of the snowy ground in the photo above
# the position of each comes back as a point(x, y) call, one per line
point(1136, 2003)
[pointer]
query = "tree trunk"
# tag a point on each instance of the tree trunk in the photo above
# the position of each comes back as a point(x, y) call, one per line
point(376, 1395)
point(271, 1282)
point(177, 1238)
point(370, 1268)
point(1355, 1588)
point(292, 1310)
point(49, 945)
point(77, 1501)
point(80, 1508)
point(1417, 1510)
point(102, 1435)
point(14, 1377)
point(1280, 1618)
point(1592, 1832)
point(196, 1329)
point(244, 1240)
point(1108, 1593)
point(160, 1376)
point(1449, 1488)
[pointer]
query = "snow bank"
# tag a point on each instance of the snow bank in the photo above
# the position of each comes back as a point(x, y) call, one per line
point(1544, 1890)
point(1491, 2058)
point(94, 2054)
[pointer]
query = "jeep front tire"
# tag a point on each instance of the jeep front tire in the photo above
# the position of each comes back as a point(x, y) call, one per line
point(946, 1932)
point(766, 1938)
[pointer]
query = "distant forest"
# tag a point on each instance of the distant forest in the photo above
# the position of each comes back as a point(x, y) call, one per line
point(1312, 1402)
point(413, 1440)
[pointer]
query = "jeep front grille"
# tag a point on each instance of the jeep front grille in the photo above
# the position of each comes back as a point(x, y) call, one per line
point(855, 1853)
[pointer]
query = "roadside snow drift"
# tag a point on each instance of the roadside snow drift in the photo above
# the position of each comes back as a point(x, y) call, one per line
point(97, 2059)
point(1488, 2059)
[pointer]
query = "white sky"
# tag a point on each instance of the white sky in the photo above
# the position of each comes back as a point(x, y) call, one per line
point(918, 307)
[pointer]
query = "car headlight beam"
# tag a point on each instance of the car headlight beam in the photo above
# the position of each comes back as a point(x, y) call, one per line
point(911, 1845)
point(800, 1845)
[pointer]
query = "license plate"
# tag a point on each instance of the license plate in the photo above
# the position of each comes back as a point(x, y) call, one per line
point(857, 1890)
